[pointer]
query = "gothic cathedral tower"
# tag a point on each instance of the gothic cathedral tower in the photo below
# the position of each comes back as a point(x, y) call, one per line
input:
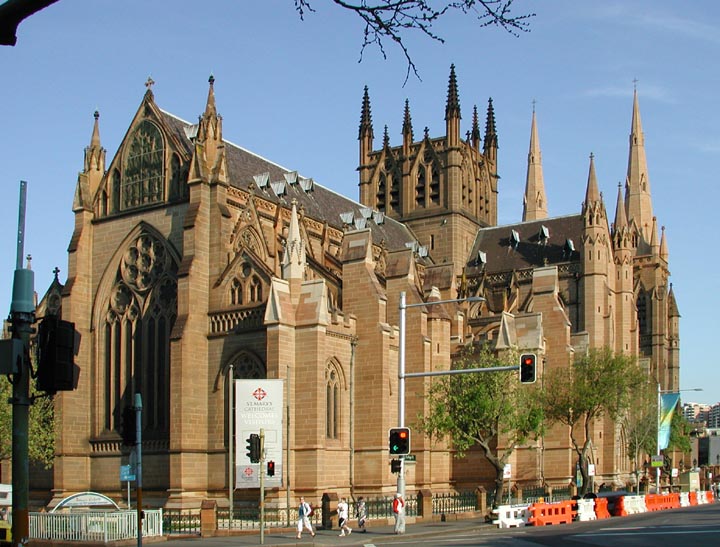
point(443, 188)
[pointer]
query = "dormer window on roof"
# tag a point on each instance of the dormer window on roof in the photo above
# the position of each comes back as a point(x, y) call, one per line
point(514, 239)
point(544, 234)
point(481, 258)
point(262, 179)
point(569, 247)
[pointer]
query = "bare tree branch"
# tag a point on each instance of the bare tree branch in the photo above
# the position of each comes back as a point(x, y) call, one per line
point(13, 12)
point(391, 19)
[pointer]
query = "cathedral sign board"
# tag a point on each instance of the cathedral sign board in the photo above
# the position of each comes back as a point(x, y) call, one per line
point(258, 405)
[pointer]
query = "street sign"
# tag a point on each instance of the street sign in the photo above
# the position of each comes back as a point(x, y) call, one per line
point(656, 461)
point(507, 471)
point(127, 473)
point(410, 458)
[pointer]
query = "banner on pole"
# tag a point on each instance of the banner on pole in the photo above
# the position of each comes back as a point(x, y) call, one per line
point(258, 405)
point(667, 407)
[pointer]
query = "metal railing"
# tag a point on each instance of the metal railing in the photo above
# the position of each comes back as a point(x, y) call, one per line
point(381, 507)
point(248, 518)
point(181, 522)
point(455, 502)
point(102, 526)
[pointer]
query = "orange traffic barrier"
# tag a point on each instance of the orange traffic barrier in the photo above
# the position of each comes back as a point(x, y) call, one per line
point(693, 498)
point(660, 502)
point(619, 510)
point(709, 496)
point(543, 514)
point(601, 508)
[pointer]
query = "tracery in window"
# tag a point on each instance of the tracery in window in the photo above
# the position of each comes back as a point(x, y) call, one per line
point(135, 337)
point(144, 168)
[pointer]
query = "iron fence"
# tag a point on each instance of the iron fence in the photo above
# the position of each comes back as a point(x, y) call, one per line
point(456, 502)
point(181, 522)
point(248, 518)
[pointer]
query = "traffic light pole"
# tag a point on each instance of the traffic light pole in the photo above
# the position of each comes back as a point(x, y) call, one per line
point(262, 486)
point(22, 312)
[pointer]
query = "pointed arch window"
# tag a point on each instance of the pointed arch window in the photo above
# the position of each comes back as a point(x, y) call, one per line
point(332, 401)
point(255, 289)
point(380, 198)
point(236, 292)
point(245, 366)
point(135, 337)
point(143, 173)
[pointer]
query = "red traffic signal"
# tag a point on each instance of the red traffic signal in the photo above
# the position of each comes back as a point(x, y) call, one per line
point(399, 441)
point(271, 468)
point(528, 374)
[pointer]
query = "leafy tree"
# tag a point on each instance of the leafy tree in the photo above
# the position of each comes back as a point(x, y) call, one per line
point(41, 437)
point(477, 409)
point(386, 20)
point(597, 384)
point(639, 423)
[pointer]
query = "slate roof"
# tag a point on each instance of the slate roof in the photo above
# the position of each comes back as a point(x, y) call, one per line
point(531, 251)
point(320, 203)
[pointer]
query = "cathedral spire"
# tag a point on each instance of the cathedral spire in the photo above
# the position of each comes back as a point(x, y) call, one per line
point(638, 201)
point(621, 221)
point(475, 133)
point(491, 139)
point(592, 195)
point(365, 134)
point(663, 245)
point(210, 126)
point(293, 264)
point(452, 111)
point(95, 153)
point(407, 129)
point(535, 201)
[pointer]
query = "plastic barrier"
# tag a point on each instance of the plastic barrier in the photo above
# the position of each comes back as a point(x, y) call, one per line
point(659, 502)
point(693, 498)
point(710, 496)
point(635, 505)
point(544, 514)
point(701, 497)
point(601, 508)
point(586, 510)
point(509, 516)
point(619, 509)
point(684, 499)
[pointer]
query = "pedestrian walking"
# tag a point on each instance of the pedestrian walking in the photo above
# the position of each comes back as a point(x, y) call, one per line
point(361, 514)
point(305, 511)
point(398, 508)
point(342, 510)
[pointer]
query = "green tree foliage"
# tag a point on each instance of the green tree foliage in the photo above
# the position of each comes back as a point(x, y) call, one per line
point(41, 437)
point(597, 384)
point(476, 409)
point(639, 424)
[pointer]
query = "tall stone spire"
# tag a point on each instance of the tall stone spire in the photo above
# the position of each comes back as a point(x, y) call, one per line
point(365, 136)
point(535, 201)
point(638, 201)
point(663, 245)
point(95, 153)
point(491, 139)
point(592, 194)
point(475, 133)
point(294, 262)
point(407, 128)
point(452, 110)
point(621, 221)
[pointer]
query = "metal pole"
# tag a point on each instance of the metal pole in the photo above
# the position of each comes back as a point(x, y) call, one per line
point(22, 312)
point(657, 469)
point(401, 387)
point(262, 486)
point(138, 478)
point(231, 445)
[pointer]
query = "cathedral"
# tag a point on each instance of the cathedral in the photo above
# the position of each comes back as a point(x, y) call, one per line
point(194, 261)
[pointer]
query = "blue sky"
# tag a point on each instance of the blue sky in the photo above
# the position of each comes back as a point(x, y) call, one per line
point(291, 90)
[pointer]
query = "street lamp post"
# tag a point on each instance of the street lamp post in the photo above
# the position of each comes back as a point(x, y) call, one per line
point(403, 306)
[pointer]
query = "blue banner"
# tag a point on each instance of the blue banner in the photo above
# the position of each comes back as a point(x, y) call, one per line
point(667, 407)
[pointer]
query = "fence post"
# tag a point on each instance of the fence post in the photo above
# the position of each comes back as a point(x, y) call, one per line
point(424, 503)
point(208, 518)
point(481, 500)
point(328, 500)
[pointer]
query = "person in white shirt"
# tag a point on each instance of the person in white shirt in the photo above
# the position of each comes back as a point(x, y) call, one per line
point(342, 510)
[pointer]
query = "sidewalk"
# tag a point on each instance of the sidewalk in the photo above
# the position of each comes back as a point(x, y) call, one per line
point(285, 537)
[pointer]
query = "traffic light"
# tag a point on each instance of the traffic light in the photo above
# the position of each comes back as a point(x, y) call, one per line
point(57, 370)
point(253, 447)
point(399, 441)
point(395, 466)
point(527, 368)
point(271, 468)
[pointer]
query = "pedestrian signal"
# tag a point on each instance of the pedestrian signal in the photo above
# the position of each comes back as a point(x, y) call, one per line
point(271, 468)
point(395, 466)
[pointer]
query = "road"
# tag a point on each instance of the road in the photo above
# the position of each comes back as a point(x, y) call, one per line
point(690, 527)
point(697, 526)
